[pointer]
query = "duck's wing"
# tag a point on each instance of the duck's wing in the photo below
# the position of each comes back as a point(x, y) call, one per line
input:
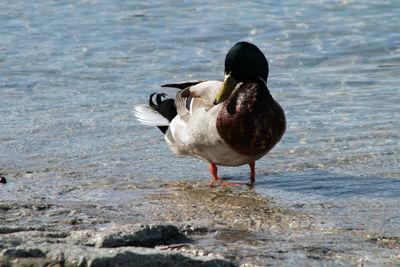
point(193, 131)
point(197, 97)
point(182, 85)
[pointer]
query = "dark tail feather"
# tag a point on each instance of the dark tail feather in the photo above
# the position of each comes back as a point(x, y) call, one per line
point(165, 107)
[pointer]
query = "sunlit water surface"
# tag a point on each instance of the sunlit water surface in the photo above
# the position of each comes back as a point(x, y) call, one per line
point(71, 72)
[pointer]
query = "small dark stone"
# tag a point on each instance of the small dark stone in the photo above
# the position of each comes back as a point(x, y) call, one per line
point(42, 206)
point(24, 253)
point(3, 180)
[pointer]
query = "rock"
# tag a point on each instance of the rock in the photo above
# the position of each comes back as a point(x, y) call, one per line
point(139, 236)
point(23, 253)
point(194, 229)
point(133, 256)
point(143, 258)
point(119, 245)
point(8, 230)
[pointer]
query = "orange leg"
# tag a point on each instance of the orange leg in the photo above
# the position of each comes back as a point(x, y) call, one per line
point(214, 172)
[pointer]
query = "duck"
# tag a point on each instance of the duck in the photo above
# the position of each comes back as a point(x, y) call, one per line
point(232, 122)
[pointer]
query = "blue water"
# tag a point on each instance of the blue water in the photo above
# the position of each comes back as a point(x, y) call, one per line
point(71, 72)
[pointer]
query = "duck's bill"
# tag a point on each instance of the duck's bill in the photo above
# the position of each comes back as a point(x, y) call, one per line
point(227, 88)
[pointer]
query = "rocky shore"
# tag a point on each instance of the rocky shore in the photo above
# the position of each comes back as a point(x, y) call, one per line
point(182, 224)
point(117, 245)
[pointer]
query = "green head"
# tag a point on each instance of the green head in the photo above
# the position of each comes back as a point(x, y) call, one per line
point(243, 63)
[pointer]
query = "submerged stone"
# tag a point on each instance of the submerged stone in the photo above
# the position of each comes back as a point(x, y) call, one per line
point(139, 236)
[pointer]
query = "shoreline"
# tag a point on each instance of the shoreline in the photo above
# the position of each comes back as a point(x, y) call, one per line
point(187, 223)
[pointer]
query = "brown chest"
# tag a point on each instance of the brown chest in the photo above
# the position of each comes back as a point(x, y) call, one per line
point(250, 121)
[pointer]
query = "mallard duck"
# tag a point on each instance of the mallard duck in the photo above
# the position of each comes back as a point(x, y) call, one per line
point(229, 123)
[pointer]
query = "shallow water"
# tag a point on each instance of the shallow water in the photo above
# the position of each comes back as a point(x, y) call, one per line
point(71, 72)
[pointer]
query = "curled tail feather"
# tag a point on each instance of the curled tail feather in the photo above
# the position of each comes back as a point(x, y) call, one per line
point(157, 114)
